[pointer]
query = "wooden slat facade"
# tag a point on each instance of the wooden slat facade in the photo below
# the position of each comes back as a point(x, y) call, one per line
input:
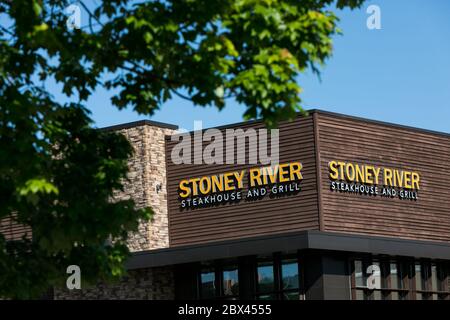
point(366, 142)
point(322, 137)
point(248, 219)
point(12, 230)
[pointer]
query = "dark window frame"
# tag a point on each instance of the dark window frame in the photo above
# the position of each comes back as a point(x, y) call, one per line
point(278, 292)
point(276, 260)
point(218, 266)
point(427, 291)
point(408, 276)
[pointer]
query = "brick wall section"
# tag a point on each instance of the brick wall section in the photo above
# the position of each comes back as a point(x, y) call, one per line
point(141, 284)
point(147, 170)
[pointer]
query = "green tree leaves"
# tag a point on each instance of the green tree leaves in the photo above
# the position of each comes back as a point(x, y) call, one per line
point(156, 49)
point(58, 174)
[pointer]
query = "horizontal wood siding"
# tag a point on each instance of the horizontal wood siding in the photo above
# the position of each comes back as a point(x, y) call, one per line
point(12, 230)
point(365, 142)
point(247, 219)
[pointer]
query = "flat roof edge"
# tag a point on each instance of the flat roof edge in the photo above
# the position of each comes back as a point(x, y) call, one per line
point(379, 122)
point(310, 112)
point(139, 123)
point(314, 240)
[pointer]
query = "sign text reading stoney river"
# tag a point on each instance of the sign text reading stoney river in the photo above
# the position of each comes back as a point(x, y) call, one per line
point(370, 180)
point(228, 187)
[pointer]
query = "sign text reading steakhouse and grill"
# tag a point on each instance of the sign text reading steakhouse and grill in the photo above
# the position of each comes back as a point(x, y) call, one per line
point(228, 187)
point(372, 180)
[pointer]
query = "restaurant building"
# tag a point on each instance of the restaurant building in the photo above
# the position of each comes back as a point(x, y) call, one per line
point(354, 209)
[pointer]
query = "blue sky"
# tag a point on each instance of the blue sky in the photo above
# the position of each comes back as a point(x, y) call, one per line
point(399, 74)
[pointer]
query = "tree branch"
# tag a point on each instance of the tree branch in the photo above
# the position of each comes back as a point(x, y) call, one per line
point(182, 96)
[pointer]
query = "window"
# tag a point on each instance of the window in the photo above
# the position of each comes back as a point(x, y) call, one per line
point(277, 277)
point(230, 282)
point(448, 281)
point(265, 282)
point(290, 280)
point(377, 294)
point(271, 277)
point(360, 275)
point(395, 276)
point(396, 282)
point(399, 279)
point(219, 281)
point(359, 280)
point(433, 281)
point(207, 283)
point(419, 278)
point(387, 278)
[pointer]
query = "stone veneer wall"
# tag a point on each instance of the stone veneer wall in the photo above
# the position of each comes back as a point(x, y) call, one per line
point(147, 171)
point(140, 284)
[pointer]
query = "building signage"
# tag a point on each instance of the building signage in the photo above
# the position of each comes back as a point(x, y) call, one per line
point(371, 180)
point(248, 185)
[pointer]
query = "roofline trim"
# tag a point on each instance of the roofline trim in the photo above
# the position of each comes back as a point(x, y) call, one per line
point(310, 112)
point(314, 240)
point(379, 122)
point(139, 123)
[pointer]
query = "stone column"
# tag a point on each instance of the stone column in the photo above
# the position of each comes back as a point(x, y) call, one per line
point(147, 183)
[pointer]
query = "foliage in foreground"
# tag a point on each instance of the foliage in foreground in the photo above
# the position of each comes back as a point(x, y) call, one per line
point(57, 173)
